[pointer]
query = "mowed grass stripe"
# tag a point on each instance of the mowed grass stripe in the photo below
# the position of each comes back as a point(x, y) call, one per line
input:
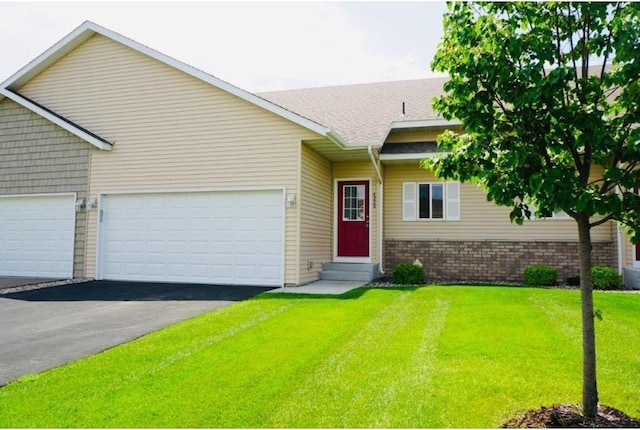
point(409, 392)
point(618, 348)
point(330, 391)
point(495, 337)
point(559, 319)
point(259, 371)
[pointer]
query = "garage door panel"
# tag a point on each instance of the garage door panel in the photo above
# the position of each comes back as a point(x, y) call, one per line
point(223, 237)
point(37, 235)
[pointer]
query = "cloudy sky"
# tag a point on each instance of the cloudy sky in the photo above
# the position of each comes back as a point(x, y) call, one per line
point(256, 46)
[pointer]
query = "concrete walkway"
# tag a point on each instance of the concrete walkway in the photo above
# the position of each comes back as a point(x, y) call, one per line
point(322, 287)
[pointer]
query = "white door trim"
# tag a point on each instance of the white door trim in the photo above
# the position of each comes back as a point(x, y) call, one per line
point(336, 258)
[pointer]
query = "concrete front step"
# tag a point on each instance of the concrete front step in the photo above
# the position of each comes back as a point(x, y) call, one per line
point(350, 267)
point(364, 272)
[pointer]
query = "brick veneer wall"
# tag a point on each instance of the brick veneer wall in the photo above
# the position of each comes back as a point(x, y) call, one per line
point(491, 261)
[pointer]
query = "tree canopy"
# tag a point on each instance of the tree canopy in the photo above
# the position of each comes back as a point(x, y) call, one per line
point(548, 95)
point(545, 92)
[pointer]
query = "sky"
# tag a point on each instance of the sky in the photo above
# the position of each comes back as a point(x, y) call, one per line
point(257, 46)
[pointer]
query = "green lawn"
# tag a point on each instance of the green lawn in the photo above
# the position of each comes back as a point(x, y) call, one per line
point(425, 357)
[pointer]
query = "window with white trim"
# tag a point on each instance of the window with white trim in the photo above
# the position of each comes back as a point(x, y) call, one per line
point(430, 201)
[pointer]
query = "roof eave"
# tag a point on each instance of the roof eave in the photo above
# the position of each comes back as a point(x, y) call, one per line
point(422, 123)
point(416, 156)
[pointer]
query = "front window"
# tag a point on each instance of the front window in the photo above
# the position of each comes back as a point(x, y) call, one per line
point(431, 201)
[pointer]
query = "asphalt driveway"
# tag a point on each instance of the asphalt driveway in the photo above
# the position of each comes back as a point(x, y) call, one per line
point(41, 329)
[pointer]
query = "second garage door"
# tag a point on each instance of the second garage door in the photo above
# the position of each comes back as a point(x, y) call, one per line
point(37, 235)
point(214, 237)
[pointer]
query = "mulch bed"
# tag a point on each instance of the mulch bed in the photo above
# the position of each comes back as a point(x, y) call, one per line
point(568, 415)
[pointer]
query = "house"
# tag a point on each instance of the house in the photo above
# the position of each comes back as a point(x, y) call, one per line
point(119, 162)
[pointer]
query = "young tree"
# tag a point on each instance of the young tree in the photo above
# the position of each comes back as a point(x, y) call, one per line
point(548, 95)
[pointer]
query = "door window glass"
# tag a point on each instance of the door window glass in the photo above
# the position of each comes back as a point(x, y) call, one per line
point(353, 203)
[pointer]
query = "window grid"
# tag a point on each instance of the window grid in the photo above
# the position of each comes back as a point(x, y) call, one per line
point(353, 203)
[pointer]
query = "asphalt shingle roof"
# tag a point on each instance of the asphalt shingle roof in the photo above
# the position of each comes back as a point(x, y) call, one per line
point(362, 112)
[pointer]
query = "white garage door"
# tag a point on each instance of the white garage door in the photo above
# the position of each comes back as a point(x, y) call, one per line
point(214, 237)
point(37, 235)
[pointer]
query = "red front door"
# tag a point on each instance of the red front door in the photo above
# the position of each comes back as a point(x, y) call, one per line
point(353, 219)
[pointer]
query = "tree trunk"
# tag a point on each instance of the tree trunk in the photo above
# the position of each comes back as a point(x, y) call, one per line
point(589, 384)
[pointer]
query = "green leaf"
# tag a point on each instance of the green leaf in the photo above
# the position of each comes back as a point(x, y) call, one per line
point(598, 314)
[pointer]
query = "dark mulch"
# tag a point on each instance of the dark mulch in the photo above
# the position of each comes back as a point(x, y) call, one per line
point(568, 415)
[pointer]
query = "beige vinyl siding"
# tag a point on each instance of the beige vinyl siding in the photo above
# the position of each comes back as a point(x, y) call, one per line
point(628, 250)
point(316, 208)
point(479, 219)
point(170, 131)
point(362, 170)
point(38, 157)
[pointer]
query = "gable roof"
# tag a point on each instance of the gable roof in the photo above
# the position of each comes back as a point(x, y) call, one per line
point(88, 29)
point(365, 113)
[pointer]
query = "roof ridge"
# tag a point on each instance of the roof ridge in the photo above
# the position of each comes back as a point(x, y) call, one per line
point(359, 84)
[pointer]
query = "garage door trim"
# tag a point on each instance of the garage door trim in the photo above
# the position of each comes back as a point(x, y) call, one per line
point(102, 195)
point(73, 197)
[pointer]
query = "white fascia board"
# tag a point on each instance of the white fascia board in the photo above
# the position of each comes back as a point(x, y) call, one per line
point(423, 123)
point(418, 156)
point(56, 120)
point(88, 29)
point(50, 56)
point(365, 145)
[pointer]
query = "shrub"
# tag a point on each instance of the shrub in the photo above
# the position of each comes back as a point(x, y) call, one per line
point(408, 274)
point(605, 278)
point(540, 276)
point(573, 281)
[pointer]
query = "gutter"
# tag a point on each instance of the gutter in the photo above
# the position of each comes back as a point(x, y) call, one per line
point(380, 206)
point(333, 136)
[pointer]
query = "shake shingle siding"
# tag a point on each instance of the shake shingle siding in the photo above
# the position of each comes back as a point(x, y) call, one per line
point(38, 157)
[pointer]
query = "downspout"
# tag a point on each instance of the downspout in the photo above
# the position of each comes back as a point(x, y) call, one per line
point(380, 206)
point(619, 239)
